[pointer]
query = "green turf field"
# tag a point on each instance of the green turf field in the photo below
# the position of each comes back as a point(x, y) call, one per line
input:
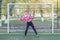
point(30, 36)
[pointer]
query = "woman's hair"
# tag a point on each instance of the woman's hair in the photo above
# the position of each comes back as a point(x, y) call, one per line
point(26, 10)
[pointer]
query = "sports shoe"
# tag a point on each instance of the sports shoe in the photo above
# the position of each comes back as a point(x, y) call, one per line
point(24, 37)
point(37, 35)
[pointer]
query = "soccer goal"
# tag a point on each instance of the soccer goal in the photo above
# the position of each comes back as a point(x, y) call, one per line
point(43, 16)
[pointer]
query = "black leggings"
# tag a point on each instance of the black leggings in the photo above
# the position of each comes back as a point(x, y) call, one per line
point(30, 24)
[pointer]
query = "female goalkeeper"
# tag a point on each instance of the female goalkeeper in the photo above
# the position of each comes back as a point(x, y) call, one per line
point(28, 18)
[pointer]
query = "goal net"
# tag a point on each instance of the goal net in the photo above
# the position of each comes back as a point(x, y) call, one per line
point(42, 12)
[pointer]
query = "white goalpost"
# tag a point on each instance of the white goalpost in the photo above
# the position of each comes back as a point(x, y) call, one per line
point(29, 4)
point(0, 22)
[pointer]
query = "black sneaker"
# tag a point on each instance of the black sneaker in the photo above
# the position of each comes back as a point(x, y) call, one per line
point(24, 37)
point(37, 35)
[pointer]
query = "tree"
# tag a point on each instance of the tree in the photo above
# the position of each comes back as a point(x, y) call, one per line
point(0, 7)
point(0, 11)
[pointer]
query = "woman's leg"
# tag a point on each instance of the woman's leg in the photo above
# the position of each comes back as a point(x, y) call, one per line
point(27, 26)
point(33, 28)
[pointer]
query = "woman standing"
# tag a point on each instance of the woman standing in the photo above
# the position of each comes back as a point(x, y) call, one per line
point(28, 18)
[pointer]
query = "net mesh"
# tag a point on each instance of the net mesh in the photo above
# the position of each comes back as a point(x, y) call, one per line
point(42, 17)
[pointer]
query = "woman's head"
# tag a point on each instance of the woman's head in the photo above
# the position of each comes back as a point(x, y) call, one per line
point(26, 12)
